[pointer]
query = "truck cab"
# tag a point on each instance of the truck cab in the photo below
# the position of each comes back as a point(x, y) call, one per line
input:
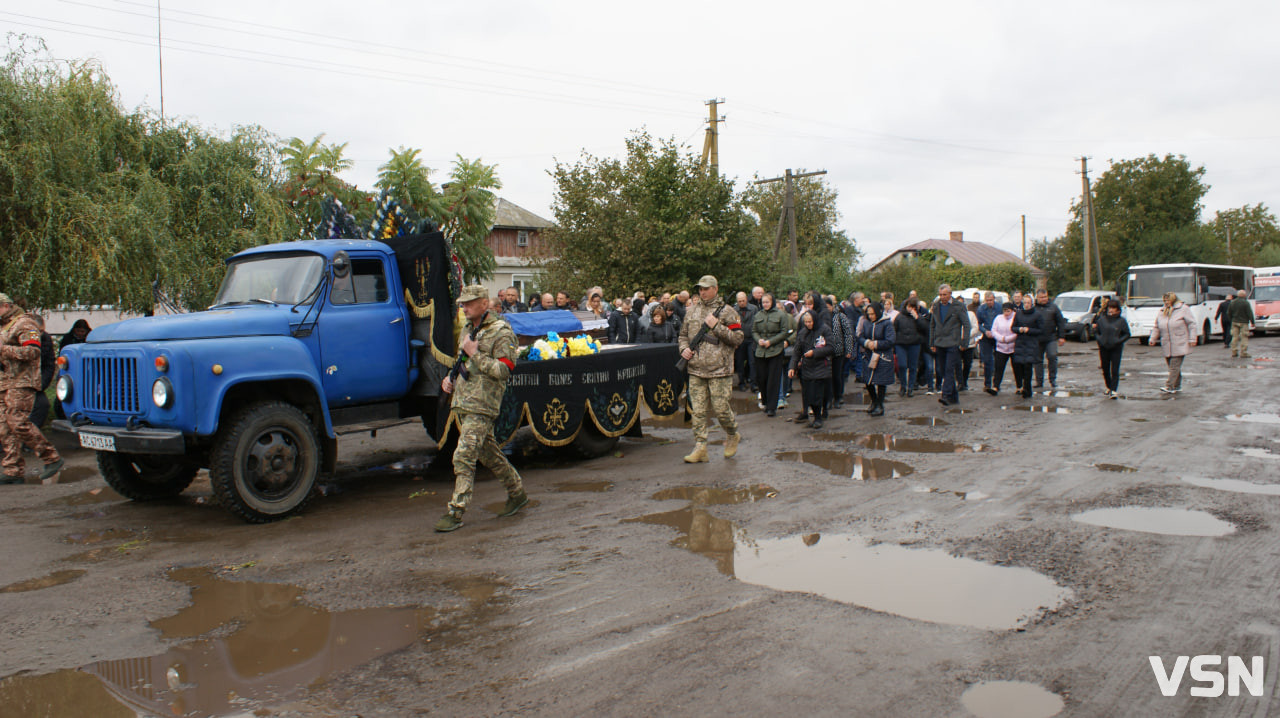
point(302, 336)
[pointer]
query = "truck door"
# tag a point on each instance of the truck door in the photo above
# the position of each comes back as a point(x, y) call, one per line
point(364, 350)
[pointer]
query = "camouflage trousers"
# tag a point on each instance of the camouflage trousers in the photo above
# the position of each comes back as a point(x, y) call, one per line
point(707, 397)
point(476, 444)
point(16, 429)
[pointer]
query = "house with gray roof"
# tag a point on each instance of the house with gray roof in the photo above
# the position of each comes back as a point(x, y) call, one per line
point(971, 254)
point(515, 239)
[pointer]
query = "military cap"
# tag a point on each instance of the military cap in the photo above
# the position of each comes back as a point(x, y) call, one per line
point(708, 281)
point(4, 298)
point(474, 291)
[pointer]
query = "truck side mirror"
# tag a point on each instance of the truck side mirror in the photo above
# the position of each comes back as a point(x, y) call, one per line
point(341, 265)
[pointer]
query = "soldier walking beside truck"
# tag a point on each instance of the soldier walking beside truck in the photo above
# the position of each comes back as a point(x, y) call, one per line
point(19, 382)
point(488, 355)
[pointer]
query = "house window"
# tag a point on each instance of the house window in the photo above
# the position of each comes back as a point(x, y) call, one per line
point(522, 238)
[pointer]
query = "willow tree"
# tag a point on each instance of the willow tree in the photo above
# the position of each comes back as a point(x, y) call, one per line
point(97, 204)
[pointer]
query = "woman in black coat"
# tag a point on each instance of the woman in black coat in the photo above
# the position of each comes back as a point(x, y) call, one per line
point(877, 341)
point(1112, 331)
point(659, 331)
point(1029, 326)
point(812, 361)
point(906, 346)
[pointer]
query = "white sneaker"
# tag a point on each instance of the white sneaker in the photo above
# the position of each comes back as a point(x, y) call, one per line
point(1166, 390)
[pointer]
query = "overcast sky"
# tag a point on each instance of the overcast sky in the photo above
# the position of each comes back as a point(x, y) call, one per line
point(928, 116)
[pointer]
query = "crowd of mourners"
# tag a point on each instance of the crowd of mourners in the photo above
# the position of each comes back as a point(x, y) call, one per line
point(916, 345)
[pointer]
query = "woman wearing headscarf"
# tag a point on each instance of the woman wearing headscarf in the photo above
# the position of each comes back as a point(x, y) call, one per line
point(771, 328)
point(877, 340)
point(811, 361)
point(1175, 331)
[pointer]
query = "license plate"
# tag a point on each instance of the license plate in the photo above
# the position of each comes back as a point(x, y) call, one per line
point(97, 442)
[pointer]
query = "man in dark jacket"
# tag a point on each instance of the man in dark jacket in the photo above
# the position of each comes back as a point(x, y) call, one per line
point(1223, 317)
point(1241, 314)
point(624, 326)
point(987, 313)
point(948, 331)
point(1055, 332)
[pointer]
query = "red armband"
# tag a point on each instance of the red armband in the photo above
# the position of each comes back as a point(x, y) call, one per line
point(510, 364)
point(31, 343)
point(734, 327)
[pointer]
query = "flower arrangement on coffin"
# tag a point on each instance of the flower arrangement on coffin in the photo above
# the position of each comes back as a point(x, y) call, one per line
point(554, 347)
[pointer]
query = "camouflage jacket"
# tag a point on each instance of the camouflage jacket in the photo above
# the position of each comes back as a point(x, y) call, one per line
point(20, 354)
point(714, 358)
point(487, 369)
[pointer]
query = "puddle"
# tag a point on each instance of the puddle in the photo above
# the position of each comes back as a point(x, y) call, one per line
point(923, 584)
point(840, 463)
point(1256, 453)
point(585, 486)
point(699, 532)
point(1140, 420)
point(1011, 699)
point(98, 536)
point(707, 496)
point(1255, 418)
point(86, 498)
point(1045, 409)
point(76, 474)
point(1236, 485)
point(961, 411)
point(745, 405)
point(1066, 394)
point(57, 578)
point(1174, 522)
point(927, 421)
point(888, 442)
point(95, 555)
point(1117, 468)
point(269, 646)
point(675, 420)
point(963, 495)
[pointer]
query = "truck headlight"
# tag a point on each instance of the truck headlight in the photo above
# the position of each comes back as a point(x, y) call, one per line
point(162, 393)
point(62, 389)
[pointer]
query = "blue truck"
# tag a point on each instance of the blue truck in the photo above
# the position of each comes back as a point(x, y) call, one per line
point(305, 341)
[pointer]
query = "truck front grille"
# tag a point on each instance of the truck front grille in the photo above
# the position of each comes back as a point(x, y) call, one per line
point(111, 384)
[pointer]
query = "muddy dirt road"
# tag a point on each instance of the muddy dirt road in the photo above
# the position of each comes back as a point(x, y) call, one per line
point(1001, 558)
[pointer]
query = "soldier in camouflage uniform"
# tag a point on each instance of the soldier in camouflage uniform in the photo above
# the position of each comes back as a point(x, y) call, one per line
point(711, 367)
point(19, 382)
point(490, 357)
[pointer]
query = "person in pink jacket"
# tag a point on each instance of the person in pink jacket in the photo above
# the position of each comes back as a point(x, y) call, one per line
point(1175, 331)
point(1002, 331)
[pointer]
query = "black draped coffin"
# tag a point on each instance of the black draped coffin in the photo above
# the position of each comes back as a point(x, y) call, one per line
point(556, 397)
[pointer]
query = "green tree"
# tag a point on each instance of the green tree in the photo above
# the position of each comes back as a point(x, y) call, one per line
point(1190, 243)
point(1135, 197)
point(655, 219)
point(466, 215)
point(1062, 260)
point(1251, 230)
point(96, 203)
point(408, 179)
point(312, 170)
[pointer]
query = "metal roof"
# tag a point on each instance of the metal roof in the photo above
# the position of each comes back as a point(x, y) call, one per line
point(966, 252)
point(511, 215)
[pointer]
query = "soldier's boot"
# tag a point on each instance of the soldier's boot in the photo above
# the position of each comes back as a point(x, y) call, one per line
point(50, 470)
point(451, 521)
point(515, 502)
point(731, 445)
point(699, 454)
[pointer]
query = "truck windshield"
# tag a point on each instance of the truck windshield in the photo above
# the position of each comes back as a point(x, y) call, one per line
point(270, 279)
point(1266, 293)
point(1149, 285)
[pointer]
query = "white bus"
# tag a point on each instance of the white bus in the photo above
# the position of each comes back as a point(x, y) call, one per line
point(1266, 299)
point(1202, 287)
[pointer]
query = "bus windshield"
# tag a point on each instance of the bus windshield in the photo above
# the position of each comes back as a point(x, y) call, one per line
point(270, 279)
point(1147, 286)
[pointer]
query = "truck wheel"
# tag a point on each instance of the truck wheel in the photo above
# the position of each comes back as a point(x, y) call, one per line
point(264, 463)
point(1084, 334)
point(144, 477)
point(590, 443)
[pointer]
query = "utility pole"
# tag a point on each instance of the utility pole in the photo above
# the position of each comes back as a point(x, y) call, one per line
point(788, 216)
point(1024, 237)
point(711, 145)
point(1086, 216)
point(1227, 221)
point(160, 52)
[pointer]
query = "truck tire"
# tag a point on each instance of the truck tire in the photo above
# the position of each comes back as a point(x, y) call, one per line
point(145, 477)
point(590, 443)
point(265, 461)
point(1084, 334)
